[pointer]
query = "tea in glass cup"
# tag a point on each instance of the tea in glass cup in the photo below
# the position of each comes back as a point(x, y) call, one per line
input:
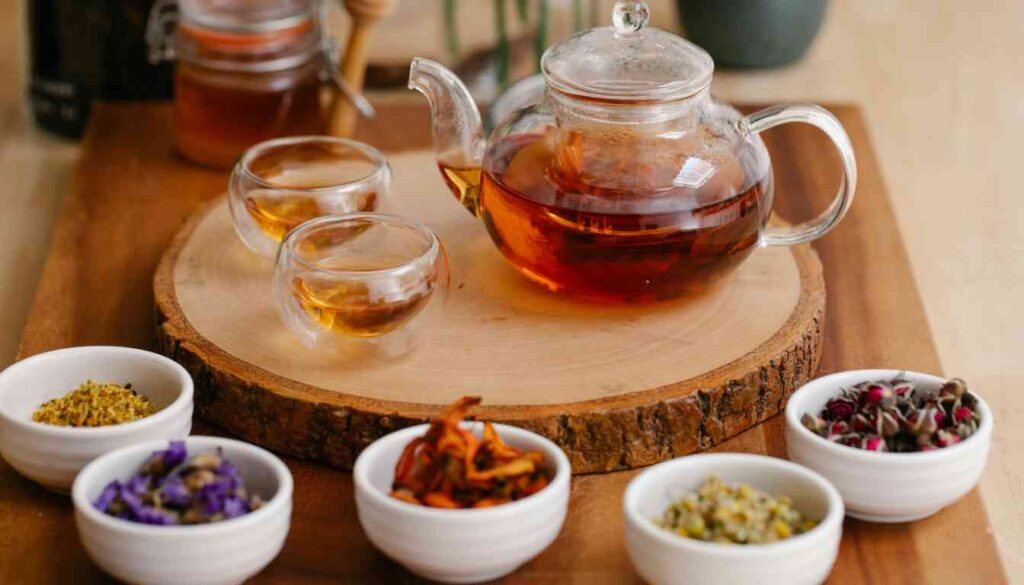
point(360, 281)
point(279, 184)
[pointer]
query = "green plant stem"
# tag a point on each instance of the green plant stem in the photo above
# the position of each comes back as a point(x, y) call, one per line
point(577, 15)
point(541, 39)
point(523, 9)
point(502, 48)
point(451, 29)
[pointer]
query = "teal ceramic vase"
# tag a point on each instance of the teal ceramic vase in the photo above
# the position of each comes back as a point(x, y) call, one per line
point(752, 34)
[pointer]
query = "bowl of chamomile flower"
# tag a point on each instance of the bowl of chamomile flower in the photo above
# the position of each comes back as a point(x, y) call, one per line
point(724, 518)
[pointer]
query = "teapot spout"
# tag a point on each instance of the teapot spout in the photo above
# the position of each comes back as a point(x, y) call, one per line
point(457, 128)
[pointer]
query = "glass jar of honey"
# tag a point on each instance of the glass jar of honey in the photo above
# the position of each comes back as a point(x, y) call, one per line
point(246, 71)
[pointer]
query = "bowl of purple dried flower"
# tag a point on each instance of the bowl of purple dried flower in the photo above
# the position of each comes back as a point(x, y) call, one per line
point(201, 510)
point(898, 445)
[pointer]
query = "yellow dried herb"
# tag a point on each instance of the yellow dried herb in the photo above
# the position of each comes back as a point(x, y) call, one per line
point(95, 405)
point(734, 514)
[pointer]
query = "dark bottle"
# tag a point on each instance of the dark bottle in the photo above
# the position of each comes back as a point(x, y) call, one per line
point(85, 50)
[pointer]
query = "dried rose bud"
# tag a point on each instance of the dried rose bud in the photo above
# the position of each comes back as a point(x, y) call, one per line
point(815, 424)
point(962, 413)
point(966, 429)
point(954, 387)
point(946, 438)
point(873, 443)
point(861, 423)
point(897, 415)
point(841, 408)
point(923, 422)
point(886, 424)
point(914, 419)
point(969, 401)
point(902, 388)
point(838, 428)
point(880, 395)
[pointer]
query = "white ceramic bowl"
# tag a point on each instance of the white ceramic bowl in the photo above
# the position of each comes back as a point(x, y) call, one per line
point(219, 553)
point(660, 556)
point(53, 455)
point(886, 487)
point(459, 546)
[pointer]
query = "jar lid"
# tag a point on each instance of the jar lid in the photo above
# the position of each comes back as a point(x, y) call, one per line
point(245, 16)
point(628, 62)
point(300, 32)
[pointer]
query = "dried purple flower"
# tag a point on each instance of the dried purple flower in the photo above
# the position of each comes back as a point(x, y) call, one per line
point(107, 496)
point(175, 454)
point(234, 507)
point(149, 515)
point(137, 485)
point(132, 502)
point(174, 493)
point(173, 489)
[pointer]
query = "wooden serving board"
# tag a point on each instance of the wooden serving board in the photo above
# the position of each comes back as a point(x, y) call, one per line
point(130, 195)
point(615, 386)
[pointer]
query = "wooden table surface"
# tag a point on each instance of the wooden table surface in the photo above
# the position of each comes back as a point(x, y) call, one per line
point(941, 85)
point(96, 288)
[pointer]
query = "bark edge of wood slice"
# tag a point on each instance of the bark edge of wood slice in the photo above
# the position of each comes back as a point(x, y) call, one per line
point(606, 432)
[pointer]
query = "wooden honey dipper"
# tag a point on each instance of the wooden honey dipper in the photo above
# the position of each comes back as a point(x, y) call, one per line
point(364, 15)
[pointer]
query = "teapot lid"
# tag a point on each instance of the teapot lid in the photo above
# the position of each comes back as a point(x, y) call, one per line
point(628, 61)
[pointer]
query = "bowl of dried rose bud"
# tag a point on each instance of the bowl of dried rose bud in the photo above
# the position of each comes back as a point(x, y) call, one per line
point(202, 510)
point(724, 518)
point(63, 408)
point(462, 502)
point(898, 445)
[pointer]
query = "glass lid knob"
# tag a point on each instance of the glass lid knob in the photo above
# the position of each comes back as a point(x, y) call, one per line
point(630, 17)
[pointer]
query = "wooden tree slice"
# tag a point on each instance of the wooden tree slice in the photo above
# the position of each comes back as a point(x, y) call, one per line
point(616, 387)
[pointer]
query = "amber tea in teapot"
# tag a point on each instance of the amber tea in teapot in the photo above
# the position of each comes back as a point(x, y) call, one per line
point(571, 236)
point(624, 181)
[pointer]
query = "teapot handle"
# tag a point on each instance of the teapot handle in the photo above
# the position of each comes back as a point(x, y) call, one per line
point(827, 123)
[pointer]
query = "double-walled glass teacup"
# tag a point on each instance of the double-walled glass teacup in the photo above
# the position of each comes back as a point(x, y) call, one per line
point(362, 283)
point(281, 183)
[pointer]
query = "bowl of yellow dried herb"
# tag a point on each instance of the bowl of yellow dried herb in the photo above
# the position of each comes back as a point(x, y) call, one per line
point(61, 409)
point(732, 518)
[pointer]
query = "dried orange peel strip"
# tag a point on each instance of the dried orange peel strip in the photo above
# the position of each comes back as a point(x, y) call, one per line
point(449, 467)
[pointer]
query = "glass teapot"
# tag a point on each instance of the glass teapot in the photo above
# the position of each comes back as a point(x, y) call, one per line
point(625, 181)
